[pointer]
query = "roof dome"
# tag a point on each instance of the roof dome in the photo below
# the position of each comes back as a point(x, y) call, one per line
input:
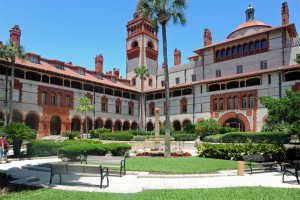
point(254, 25)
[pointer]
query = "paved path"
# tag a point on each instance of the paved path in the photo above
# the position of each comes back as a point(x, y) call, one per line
point(141, 181)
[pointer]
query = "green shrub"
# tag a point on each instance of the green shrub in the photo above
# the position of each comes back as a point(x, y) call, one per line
point(224, 130)
point(189, 128)
point(162, 130)
point(184, 137)
point(97, 132)
point(137, 132)
point(73, 152)
point(116, 136)
point(235, 152)
point(118, 149)
point(212, 138)
point(71, 134)
point(266, 138)
point(207, 127)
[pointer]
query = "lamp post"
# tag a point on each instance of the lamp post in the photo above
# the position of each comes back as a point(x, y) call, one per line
point(237, 120)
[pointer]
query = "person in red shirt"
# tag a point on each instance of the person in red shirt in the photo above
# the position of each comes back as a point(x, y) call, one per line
point(3, 149)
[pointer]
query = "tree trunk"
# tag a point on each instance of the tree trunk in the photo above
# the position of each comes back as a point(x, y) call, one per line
point(17, 143)
point(12, 85)
point(167, 94)
point(86, 128)
point(142, 100)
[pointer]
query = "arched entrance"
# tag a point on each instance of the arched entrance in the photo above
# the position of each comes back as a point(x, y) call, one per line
point(55, 125)
point(98, 123)
point(235, 123)
point(75, 124)
point(16, 117)
point(134, 126)
point(149, 126)
point(108, 124)
point(126, 126)
point(177, 125)
point(32, 120)
point(87, 125)
point(185, 122)
point(117, 126)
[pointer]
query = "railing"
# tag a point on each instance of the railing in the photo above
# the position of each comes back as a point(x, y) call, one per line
point(293, 41)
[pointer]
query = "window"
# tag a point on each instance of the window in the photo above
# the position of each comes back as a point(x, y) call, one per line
point(218, 73)
point(16, 95)
point(229, 103)
point(239, 69)
point(228, 52)
point(44, 98)
point(244, 101)
point(218, 55)
point(99, 76)
point(201, 89)
point(177, 80)
point(251, 46)
point(215, 104)
point(68, 103)
point(235, 102)
point(264, 43)
point(257, 45)
point(103, 107)
point(223, 54)
point(59, 100)
point(233, 50)
point(194, 77)
point(245, 49)
point(80, 71)
point(184, 108)
point(150, 82)
point(240, 49)
point(263, 65)
point(129, 110)
point(251, 101)
point(133, 82)
point(221, 104)
point(269, 78)
point(162, 83)
point(59, 66)
point(113, 79)
point(53, 99)
point(34, 59)
point(298, 56)
point(152, 112)
point(117, 108)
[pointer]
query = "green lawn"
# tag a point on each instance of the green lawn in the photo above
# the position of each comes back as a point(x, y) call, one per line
point(186, 165)
point(188, 194)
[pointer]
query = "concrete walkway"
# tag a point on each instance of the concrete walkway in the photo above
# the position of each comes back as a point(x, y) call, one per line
point(28, 173)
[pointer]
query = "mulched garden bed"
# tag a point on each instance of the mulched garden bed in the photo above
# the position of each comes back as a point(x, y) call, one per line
point(6, 187)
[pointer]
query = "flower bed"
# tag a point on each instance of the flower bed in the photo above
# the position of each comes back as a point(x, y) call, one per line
point(157, 154)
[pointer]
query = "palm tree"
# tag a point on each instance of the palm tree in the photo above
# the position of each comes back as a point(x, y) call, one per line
point(160, 12)
point(143, 73)
point(11, 51)
point(85, 106)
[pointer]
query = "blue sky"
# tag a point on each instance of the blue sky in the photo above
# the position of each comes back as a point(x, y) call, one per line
point(78, 30)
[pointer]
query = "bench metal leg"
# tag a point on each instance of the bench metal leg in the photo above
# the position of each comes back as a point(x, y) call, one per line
point(51, 176)
point(103, 176)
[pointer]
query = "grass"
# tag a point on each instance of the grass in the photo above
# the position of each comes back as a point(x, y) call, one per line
point(207, 194)
point(186, 165)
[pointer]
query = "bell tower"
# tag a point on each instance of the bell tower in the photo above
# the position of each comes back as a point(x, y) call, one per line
point(141, 49)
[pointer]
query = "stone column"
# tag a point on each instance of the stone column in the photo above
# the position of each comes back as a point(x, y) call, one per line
point(157, 123)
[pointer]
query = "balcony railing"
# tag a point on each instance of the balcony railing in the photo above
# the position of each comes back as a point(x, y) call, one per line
point(293, 41)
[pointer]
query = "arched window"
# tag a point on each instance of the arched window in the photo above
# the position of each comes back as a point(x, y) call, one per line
point(223, 54)
point(257, 45)
point(245, 48)
point(135, 44)
point(218, 55)
point(216, 104)
point(53, 99)
point(221, 104)
point(150, 45)
point(245, 101)
point(251, 101)
point(236, 103)
point(68, 103)
point(251, 46)
point(240, 50)
point(229, 103)
point(233, 50)
point(228, 51)
point(264, 43)
point(44, 98)
point(59, 100)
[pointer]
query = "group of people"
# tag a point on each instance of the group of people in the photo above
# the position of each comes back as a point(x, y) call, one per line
point(3, 149)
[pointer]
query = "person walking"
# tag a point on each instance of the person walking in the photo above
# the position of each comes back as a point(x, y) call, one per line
point(3, 149)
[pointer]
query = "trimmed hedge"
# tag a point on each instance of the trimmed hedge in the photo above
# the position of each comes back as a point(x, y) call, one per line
point(242, 137)
point(121, 136)
point(74, 151)
point(235, 152)
point(137, 132)
point(143, 137)
point(118, 149)
point(184, 137)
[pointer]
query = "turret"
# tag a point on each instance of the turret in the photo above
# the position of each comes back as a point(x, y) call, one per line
point(285, 13)
point(177, 57)
point(207, 37)
point(15, 34)
point(99, 63)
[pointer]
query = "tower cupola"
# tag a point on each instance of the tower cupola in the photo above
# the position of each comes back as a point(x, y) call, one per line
point(250, 13)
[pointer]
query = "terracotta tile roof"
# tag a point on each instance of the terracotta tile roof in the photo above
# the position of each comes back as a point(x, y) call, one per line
point(249, 24)
point(244, 36)
point(227, 77)
point(67, 71)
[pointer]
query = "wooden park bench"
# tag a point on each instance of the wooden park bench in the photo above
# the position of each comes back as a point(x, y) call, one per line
point(260, 159)
point(81, 170)
point(106, 162)
point(292, 168)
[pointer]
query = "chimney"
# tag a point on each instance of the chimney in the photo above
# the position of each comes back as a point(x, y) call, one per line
point(15, 34)
point(177, 57)
point(116, 72)
point(163, 65)
point(285, 13)
point(207, 37)
point(99, 64)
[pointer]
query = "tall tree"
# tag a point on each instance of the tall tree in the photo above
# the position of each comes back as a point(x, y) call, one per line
point(143, 73)
point(84, 106)
point(11, 51)
point(160, 12)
